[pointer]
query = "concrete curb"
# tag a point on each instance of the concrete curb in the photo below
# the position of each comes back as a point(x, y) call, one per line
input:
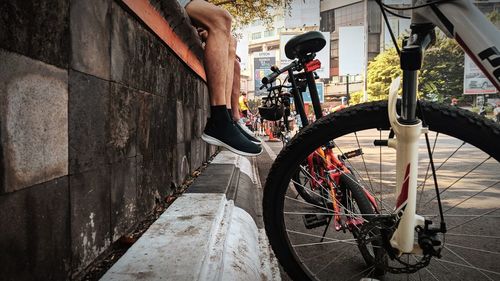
point(212, 232)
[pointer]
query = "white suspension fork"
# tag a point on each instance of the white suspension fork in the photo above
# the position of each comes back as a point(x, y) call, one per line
point(406, 145)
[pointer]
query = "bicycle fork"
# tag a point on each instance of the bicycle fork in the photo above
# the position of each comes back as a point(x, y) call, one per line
point(408, 129)
point(406, 145)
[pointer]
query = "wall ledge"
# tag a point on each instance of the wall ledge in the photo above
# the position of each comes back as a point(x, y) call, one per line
point(170, 23)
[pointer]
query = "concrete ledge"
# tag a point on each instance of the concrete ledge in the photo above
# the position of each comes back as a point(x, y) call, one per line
point(210, 235)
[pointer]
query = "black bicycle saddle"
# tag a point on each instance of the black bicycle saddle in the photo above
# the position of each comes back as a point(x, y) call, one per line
point(301, 45)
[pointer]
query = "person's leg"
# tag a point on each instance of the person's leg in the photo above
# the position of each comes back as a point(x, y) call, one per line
point(235, 93)
point(217, 22)
point(220, 129)
point(231, 58)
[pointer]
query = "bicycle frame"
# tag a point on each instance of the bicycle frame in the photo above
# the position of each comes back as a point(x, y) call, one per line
point(464, 22)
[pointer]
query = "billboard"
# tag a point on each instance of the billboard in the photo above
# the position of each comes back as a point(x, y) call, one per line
point(321, 93)
point(475, 82)
point(302, 13)
point(320, 86)
point(352, 54)
point(323, 55)
point(262, 63)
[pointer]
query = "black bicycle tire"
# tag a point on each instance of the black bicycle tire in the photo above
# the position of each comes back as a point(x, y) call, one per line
point(453, 121)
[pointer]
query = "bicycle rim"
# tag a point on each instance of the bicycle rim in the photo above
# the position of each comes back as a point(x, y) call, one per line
point(465, 151)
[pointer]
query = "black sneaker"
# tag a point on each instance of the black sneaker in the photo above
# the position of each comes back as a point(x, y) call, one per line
point(246, 134)
point(227, 134)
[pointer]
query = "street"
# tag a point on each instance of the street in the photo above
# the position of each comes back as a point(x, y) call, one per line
point(470, 191)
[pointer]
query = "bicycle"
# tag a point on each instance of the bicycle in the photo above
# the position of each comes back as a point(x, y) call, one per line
point(436, 211)
point(276, 107)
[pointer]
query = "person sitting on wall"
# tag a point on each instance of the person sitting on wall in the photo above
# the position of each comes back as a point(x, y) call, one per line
point(219, 57)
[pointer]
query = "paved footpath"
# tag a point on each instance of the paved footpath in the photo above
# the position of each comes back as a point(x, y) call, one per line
point(214, 231)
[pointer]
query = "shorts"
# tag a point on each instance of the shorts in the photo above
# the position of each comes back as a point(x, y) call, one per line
point(183, 3)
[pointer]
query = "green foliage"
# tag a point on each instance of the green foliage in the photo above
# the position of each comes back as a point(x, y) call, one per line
point(244, 12)
point(381, 71)
point(440, 79)
point(442, 75)
point(356, 97)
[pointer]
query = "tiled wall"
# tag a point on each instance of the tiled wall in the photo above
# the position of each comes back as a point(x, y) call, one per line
point(97, 119)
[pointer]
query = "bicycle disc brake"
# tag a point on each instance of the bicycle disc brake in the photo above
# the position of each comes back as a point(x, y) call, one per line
point(376, 234)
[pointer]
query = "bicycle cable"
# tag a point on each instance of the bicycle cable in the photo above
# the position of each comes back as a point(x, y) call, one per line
point(394, 41)
point(415, 7)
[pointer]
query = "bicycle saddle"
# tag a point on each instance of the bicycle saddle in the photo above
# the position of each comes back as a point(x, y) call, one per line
point(303, 44)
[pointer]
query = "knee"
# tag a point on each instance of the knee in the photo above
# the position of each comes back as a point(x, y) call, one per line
point(221, 22)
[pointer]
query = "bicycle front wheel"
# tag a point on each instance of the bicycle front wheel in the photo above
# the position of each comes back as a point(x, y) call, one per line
point(466, 153)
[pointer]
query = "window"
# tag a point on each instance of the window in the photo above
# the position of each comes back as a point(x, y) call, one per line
point(334, 48)
point(269, 33)
point(256, 35)
point(350, 15)
point(327, 22)
point(257, 23)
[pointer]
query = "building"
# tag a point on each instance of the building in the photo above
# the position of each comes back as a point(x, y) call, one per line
point(342, 13)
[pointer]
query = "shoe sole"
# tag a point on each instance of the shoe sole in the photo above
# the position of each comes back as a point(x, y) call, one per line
point(217, 142)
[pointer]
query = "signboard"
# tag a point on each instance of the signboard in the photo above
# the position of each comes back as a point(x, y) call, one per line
point(321, 93)
point(475, 82)
point(262, 63)
point(352, 50)
point(323, 55)
point(302, 13)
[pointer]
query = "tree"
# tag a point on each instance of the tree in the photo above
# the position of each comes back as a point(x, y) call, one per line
point(381, 71)
point(441, 76)
point(245, 12)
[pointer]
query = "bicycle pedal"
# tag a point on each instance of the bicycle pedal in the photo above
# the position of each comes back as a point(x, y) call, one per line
point(313, 221)
point(351, 154)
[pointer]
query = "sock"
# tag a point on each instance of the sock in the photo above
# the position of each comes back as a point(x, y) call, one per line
point(230, 114)
point(218, 113)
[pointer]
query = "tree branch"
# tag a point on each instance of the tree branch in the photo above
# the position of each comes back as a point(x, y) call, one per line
point(224, 2)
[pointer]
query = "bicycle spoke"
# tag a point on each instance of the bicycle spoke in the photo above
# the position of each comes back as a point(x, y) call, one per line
point(469, 265)
point(426, 173)
point(482, 270)
point(463, 176)
point(473, 235)
point(470, 197)
point(351, 241)
point(370, 270)
point(472, 219)
point(364, 162)
point(473, 249)
point(447, 269)
point(337, 256)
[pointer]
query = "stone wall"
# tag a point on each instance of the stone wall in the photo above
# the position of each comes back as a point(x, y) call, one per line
point(98, 118)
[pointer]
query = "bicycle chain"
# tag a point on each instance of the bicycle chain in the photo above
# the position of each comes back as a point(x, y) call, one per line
point(388, 222)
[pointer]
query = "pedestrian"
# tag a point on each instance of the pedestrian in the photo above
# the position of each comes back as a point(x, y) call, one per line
point(454, 102)
point(243, 101)
point(496, 111)
point(219, 58)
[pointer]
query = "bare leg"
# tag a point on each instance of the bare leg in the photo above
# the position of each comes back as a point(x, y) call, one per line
point(230, 71)
point(235, 94)
point(218, 24)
